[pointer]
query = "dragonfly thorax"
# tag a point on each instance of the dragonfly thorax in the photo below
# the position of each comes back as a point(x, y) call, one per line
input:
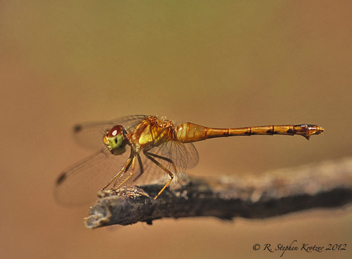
point(115, 140)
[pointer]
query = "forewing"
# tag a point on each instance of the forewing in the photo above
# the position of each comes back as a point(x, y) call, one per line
point(79, 184)
point(129, 122)
point(90, 135)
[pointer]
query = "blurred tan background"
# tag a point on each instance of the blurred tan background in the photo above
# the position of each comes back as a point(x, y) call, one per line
point(220, 64)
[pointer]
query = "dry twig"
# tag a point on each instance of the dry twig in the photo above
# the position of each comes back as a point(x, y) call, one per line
point(324, 185)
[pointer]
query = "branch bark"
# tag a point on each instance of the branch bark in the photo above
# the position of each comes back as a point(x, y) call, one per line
point(323, 185)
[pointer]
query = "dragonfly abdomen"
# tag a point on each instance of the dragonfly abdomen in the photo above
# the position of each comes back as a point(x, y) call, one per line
point(189, 132)
point(305, 130)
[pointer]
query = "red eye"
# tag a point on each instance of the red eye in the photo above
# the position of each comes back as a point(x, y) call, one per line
point(116, 130)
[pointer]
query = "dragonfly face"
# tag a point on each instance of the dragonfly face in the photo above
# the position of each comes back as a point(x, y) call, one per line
point(115, 140)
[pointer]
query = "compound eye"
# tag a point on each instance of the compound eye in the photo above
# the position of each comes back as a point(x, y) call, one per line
point(114, 131)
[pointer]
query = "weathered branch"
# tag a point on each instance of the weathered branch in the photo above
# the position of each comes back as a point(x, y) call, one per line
point(324, 185)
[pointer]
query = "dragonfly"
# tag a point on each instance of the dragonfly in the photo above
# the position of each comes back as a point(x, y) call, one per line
point(141, 148)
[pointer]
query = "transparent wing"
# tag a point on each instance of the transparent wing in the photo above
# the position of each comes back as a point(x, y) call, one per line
point(79, 184)
point(193, 156)
point(90, 135)
point(180, 154)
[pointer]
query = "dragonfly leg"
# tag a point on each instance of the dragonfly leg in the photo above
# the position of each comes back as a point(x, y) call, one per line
point(165, 159)
point(120, 173)
point(131, 173)
point(150, 156)
point(140, 166)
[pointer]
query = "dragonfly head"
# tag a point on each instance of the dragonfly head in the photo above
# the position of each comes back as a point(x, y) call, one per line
point(115, 140)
